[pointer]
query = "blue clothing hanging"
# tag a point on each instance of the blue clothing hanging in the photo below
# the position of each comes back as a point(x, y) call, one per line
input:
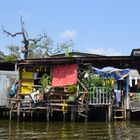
point(13, 89)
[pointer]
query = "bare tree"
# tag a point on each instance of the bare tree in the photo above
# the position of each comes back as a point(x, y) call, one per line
point(38, 47)
point(26, 40)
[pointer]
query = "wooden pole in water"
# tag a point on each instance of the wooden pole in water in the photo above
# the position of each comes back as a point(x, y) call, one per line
point(10, 115)
point(11, 108)
point(127, 108)
point(48, 115)
point(86, 111)
point(72, 114)
point(18, 96)
point(18, 109)
point(64, 116)
point(109, 113)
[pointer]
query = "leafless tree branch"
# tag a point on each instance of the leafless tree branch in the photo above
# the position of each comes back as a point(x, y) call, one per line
point(26, 40)
point(9, 33)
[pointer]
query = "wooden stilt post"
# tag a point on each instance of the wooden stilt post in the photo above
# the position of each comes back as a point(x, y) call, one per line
point(109, 113)
point(18, 109)
point(63, 109)
point(12, 106)
point(18, 96)
point(72, 114)
point(10, 115)
point(127, 100)
point(4, 113)
point(23, 115)
point(31, 112)
point(64, 116)
point(106, 115)
point(86, 111)
point(48, 112)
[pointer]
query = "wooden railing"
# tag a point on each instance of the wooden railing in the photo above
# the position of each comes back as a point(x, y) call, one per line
point(99, 96)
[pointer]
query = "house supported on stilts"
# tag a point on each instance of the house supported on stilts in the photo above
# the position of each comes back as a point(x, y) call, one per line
point(58, 87)
point(50, 87)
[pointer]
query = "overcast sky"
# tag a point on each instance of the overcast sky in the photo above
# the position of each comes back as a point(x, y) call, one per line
point(109, 27)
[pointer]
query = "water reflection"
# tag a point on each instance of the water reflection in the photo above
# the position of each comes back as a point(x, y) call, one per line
point(126, 130)
point(69, 131)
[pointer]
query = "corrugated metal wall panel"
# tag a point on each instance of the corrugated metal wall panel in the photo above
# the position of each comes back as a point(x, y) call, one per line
point(6, 81)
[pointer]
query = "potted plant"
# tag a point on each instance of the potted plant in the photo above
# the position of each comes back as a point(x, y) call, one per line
point(45, 82)
point(72, 90)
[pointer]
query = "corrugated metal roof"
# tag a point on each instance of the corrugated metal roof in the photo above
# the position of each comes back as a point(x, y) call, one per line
point(78, 54)
point(102, 61)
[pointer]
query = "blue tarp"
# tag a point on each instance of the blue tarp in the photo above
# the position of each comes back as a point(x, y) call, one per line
point(111, 72)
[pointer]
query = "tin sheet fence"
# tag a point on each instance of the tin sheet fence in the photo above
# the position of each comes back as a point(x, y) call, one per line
point(135, 102)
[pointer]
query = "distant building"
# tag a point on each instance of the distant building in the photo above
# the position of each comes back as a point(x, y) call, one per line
point(135, 52)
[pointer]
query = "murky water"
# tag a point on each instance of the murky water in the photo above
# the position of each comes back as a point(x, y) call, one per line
point(69, 131)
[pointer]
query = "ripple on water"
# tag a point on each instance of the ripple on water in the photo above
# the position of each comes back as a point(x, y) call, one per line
point(69, 131)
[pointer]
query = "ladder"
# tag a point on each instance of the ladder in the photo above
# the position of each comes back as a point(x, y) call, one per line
point(119, 113)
